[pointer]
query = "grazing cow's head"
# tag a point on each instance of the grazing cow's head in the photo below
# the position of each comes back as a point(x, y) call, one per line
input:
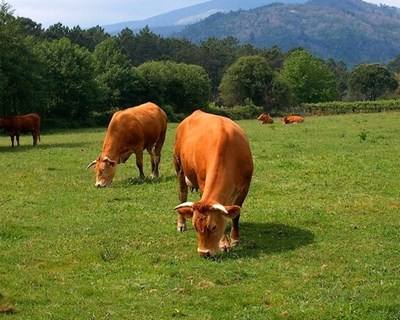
point(105, 171)
point(209, 222)
point(265, 118)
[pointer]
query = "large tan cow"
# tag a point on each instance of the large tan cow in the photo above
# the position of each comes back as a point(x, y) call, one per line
point(212, 153)
point(131, 131)
point(292, 119)
point(265, 118)
point(15, 126)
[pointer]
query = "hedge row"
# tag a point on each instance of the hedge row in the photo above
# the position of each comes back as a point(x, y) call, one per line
point(339, 107)
point(236, 113)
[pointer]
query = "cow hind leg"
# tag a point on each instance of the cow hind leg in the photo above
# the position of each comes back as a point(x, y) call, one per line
point(12, 141)
point(157, 153)
point(17, 137)
point(152, 161)
point(34, 137)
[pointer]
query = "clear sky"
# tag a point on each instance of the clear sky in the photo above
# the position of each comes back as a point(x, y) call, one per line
point(88, 13)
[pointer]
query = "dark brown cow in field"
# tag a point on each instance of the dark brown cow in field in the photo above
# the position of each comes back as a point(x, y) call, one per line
point(265, 118)
point(212, 153)
point(292, 119)
point(131, 131)
point(17, 125)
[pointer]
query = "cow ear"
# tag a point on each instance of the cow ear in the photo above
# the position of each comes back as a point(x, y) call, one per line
point(187, 213)
point(112, 163)
point(233, 211)
point(228, 211)
point(185, 210)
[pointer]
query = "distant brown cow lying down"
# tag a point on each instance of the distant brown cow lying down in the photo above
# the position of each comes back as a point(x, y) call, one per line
point(131, 131)
point(212, 153)
point(292, 119)
point(265, 118)
point(15, 126)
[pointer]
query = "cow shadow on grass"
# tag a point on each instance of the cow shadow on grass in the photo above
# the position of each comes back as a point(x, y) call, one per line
point(147, 180)
point(269, 238)
point(25, 148)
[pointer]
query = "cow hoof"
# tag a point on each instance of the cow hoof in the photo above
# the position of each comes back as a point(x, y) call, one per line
point(181, 227)
point(235, 242)
point(224, 245)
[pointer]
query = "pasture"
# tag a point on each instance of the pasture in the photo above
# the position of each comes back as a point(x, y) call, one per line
point(320, 230)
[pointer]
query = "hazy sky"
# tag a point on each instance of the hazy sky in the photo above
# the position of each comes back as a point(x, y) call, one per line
point(92, 12)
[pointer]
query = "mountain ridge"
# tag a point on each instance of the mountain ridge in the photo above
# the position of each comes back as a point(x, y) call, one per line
point(176, 20)
point(350, 30)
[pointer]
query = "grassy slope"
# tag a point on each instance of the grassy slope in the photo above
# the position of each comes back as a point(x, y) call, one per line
point(320, 231)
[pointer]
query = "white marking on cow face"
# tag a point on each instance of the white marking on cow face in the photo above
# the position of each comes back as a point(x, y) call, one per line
point(105, 171)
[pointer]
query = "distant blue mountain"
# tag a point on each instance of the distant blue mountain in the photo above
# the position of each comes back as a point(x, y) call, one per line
point(175, 21)
point(353, 31)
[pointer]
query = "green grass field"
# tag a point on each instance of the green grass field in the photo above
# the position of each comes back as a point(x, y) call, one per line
point(320, 230)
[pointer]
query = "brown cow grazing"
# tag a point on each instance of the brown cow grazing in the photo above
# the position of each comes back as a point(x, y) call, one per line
point(265, 118)
point(212, 153)
point(292, 119)
point(17, 125)
point(131, 131)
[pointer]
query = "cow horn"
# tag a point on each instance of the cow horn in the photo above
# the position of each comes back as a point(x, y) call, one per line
point(184, 205)
point(219, 207)
point(91, 164)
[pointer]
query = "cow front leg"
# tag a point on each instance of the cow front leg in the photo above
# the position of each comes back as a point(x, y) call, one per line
point(235, 231)
point(17, 140)
point(12, 141)
point(139, 163)
point(183, 194)
point(225, 244)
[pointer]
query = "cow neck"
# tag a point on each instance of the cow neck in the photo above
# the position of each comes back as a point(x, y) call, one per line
point(219, 187)
point(112, 147)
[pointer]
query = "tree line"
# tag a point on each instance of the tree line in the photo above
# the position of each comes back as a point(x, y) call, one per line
point(73, 74)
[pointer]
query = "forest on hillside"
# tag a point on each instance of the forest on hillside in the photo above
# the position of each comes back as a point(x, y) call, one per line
point(76, 77)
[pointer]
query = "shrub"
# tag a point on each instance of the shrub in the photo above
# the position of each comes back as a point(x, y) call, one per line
point(247, 111)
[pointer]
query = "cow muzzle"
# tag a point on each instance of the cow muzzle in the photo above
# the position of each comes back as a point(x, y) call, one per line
point(100, 184)
point(205, 253)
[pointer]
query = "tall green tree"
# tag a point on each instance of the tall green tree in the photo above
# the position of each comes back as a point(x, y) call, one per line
point(184, 87)
point(216, 55)
point(72, 89)
point(248, 78)
point(21, 82)
point(56, 31)
point(122, 85)
point(371, 81)
point(310, 78)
